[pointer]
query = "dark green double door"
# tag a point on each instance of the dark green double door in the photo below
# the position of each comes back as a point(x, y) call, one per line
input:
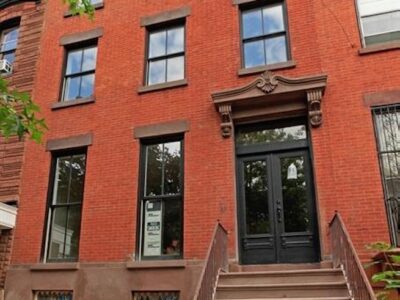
point(276, 208)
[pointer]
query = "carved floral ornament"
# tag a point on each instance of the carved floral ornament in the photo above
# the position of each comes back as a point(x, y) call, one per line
point(265, 89)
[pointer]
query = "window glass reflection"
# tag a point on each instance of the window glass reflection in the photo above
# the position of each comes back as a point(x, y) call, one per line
point(249, 136)
point(166, 57)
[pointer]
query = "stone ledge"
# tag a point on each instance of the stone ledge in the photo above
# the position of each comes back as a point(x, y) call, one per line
point(162, 86)
point(156, 264)
point(55, 267)
point(255, 70)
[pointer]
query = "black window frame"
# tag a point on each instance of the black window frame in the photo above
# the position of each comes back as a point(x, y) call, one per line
point(49, 205)
point(165, 26)
point(6, 27)
point(261, 5)
point(142, 197)
point(74, 47)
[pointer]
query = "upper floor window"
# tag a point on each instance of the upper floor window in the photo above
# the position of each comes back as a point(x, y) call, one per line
point(79, 74)
point(379, 20)
point(8, 43)
point(64, 212)
point(166, 55)
point(264, 35)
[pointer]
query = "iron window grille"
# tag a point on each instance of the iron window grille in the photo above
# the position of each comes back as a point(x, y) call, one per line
point(387, 132)
point(155, 295)
point(64, 209)
point(165, 54)
point(264, 35)
point(379, 21)
point(53, 295)
point(8, 43)
point(79, 75)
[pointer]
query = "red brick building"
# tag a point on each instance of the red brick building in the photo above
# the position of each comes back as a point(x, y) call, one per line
point(166, 117)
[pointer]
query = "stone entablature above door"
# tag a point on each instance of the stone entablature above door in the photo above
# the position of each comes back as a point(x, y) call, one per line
point(271, 96)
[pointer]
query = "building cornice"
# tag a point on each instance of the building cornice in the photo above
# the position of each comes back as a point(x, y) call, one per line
point(5, 3)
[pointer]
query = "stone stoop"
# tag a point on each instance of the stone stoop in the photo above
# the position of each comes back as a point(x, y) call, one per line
point(273, 282)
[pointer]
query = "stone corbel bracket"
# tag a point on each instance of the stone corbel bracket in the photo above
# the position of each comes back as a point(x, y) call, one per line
point(271, 96)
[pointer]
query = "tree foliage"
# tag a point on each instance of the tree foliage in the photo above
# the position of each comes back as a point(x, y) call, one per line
point(18, 113)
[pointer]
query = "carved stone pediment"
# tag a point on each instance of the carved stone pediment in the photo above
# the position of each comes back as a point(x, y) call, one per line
point(271, 96)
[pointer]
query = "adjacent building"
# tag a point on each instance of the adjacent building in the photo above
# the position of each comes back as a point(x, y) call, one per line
point(166, 117)
point(20, 31)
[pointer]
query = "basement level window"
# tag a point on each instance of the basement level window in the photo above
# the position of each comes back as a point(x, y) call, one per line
point(379, 21)
point(155, 296)
point(53, 295)
point(264, 35)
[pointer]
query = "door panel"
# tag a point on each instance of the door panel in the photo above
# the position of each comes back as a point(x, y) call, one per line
point(276, 208)
point(257, 229)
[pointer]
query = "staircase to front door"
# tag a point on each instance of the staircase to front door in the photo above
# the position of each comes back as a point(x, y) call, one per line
point(297, 282)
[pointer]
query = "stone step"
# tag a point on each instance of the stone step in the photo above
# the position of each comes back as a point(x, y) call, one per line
point(279, 267)
point(268, 291)
point(276, 277)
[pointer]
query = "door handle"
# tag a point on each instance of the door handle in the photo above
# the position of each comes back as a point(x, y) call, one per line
point(279, 214)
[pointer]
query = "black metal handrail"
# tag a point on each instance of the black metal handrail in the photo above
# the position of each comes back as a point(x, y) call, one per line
point(344, 255)
point(216, 261)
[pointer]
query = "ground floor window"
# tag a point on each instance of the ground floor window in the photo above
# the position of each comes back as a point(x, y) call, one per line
point(64, 209)
point(161, 202)
point(387, 131)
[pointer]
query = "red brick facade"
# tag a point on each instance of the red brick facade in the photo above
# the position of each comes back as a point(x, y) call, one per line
point(324, 39)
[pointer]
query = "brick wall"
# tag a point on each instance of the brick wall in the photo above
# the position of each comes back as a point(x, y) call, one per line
point(324, 39)
point(6, 238)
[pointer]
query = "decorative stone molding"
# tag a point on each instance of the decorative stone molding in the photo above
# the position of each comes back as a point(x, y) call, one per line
point(314, 98)
point(271, 96)
point(267, 82)
point(226, 124)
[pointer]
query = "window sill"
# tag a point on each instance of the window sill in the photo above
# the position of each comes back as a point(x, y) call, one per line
point(254, 70)
point(162, 86)
point(156, 264)
point(69, 13)
point(55, 267)
point(64, 104)
point(379, 48)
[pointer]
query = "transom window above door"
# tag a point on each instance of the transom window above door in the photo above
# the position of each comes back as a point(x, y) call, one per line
point(166, 55)
point(264, 35)
point(379, 21)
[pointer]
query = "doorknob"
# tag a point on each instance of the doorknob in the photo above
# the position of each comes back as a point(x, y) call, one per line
point(279, 214)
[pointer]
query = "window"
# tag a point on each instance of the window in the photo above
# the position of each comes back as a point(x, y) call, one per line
point(387, 131)
point(53, 295)
point(166, 55)
point(161, 200)
point(64, 213)
point(264, 35)
point(8, 42)
point(156, 296)
point(379, 20)
point(80, 73)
